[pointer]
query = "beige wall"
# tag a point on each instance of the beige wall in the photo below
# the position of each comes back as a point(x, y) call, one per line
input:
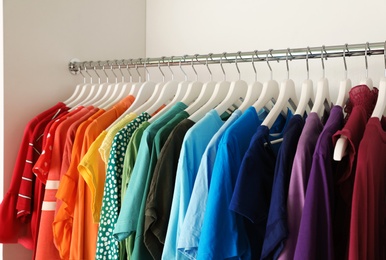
point(40, 38)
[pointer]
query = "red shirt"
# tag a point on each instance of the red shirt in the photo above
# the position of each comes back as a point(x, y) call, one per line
point(368, 216)
point(13, 229)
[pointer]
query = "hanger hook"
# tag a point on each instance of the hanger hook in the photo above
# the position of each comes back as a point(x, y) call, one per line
point(222, 68)
point(253, 64)
point(120, 70)
point(128, 69)
point(185, 75)
point(99, 77)
point(237, 66)
point(85, 70)
point(145, 67)
point(286, 61)
point(207, 66)
point(80, 70)
point(321, 57)
point(159, 67)
point(366, 64)
point(136, 69)
point(269, 66)
point(195, 72)
point(384, 55)
point(344, 60)
point(111, 68)
point(171, 71)
point(307, 65)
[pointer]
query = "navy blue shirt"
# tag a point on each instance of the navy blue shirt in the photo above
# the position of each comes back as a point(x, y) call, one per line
point(252, 194)
point(277, 228)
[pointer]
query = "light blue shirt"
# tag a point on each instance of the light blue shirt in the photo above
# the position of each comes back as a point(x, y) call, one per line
point(223, 234)
point(132, 212)
point(191, 229)
point(193, 147)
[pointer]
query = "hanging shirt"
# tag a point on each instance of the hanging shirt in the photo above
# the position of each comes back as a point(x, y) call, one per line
point(45, 246)
point(105, 147)
point(107, 246)
point(301, 169)
point(66, 194)
point(43, 164)
point(153, 210)
point(131, 218)
point(315, 240)
point(252, 186)
point(128, 165)
point(228, 230)
point(91, 166)
point(14, 230)
point(193, 147)
point(359, 108)
point(368, 214)
point(84, 230)
point(277, 230)
point(191, 228)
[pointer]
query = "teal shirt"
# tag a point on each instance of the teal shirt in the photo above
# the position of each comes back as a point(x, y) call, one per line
point(107, 246)
point(131, 218)
point(151, 240)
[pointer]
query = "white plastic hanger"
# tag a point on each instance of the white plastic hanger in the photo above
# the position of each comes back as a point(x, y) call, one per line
point(236, 93)
point(180, 93)
point(219, 93)
point(154, 95)
point(287, 95)
point(123, 87)
point(145, 91)
point(367, 81)
point(198, 94)
point(108, 92)
point(166, 95)
point(253, 92)
point(322, 97)
point(85, 93)
point(269, 93)
point(380, 106)
point(307, 93)
point(80, 89)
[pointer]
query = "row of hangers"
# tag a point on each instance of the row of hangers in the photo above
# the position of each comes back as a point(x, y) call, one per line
point(221, 95)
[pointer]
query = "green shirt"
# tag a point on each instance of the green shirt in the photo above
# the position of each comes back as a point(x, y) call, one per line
point(131, 218)
point(107, 246)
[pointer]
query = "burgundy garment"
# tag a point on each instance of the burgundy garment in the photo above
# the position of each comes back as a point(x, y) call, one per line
point(315, 240)
point(368, 214)
point(359, 108)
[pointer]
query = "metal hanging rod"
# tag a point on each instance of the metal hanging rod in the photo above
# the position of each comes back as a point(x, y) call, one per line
point(335, 51)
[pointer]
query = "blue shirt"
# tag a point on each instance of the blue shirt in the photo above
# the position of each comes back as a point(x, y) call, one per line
point(223, 234)
point(191, 228)
point(193, 147)
point(277, 229)
point(252, 193)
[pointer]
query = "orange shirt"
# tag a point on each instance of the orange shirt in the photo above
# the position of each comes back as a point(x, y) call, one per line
point(66, 194)
point(84, 231)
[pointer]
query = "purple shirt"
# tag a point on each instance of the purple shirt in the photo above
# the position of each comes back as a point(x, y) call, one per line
point(300, 173)
point(315, 240)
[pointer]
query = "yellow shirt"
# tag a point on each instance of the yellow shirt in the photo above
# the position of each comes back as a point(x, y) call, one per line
point(105, 147)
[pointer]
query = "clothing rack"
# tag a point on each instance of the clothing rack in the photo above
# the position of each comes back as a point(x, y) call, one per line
point(335, 51)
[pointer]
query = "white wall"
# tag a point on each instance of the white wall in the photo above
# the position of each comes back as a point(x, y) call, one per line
point(40, 38)
point(214, 26)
